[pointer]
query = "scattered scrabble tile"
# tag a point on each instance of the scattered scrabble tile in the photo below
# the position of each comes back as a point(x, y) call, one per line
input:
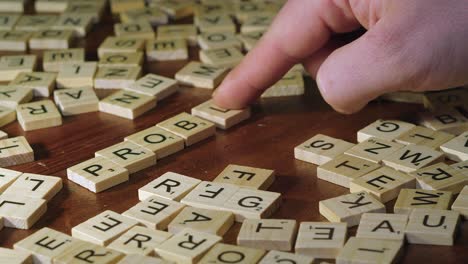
point(203, 220)
point(170, 185)
point(191, 128)
point(218, 40)
point(35, 186)
point(384, 183)
point(8, 21)
point(14, 6)
point(38, 115)
point(344, 168)
point(15, 151)
point(51, 39)
point(384, 129)
point(382, 226)
point(35, 23)
point(210, 195)
point(120, 45)
point(350, 207)
point(14, 40)
point(291, 84)
point(247, 177)
point(188, 246)
point(461, 203)
point(7, 116)
point(200, 75)
point(93, 8)
point(432, 227)
point(215, 23)
point(445, 99)
point(11, 66)
point(97, 174)
point(256, 23)
point(76, 75)
point(121, 59)
point(76, 101)
point(424, 137)
point(132, 259)
point(270, 234)
point(85, 252)
point(153, 15)
point(54, 60)
point(158, 140)
point(3, 135)
point(14, 256)
point(167, 50)
point(461, 166)
point(278, 257)
point(139, 240)
point(208, 7)
point(127, 104)
point(154, 212)
point(129, 156)
point(225, 253)
point(227, 57)
point(42, 83)
point(116, 77)
point(185, 32)
point(80, 24)
point(320, 239)
point(140, 29)
point(404, 97)
point(11, 96)
point(155, 85)
point(441, 176)
point(176, 9)
point(21, 212)
point(103, 228)
point(321, 149)
point(447, 120)
point(50, 6)
point(455, 149)
point(413, 157)
point(374, 149)
point(367, 250)
point(249, 40)
point(222, 118)
point(118, 6)
point(243, 10)
point(410, 199)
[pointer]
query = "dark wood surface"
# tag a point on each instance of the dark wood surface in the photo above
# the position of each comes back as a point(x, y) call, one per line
point(266, 140)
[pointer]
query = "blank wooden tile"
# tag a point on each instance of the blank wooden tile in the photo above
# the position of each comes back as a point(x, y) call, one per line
point(11, 66)
point(410, 199)
point(374, 149)
point(440, 176)
point(132, 259)
point(222, 118)
point(160, 141)
point(120, 45)
point(432, 227)
point(227, 57)
point(36, 186)
point(3, 135)
point(191, 128)
point(445, 98)
point(461, 203)
point(321, 149)
point(127, 104)
point(103, 228)
point(76, 75)
point(38, 115)
point(215, 23)
point(51, 39)
point(167, 50)
point(128, 155)
point(116, 77)
point(367, 250)
point(155, 85)
point(35, 23)
point(15, 256)
point(455, 149)
point(344, 168)
point(255, 23)
point(384, 129)
point(382, 226)
point(247, 177)
point(139, 240)
point(321, 239)
point(204, 220)
point(21, 212)
point(85, 252)
point(118, 6)
point(425, 137)
point(200, 75)
point(45, 245)
point(11, 96)
point(413, 157)
point(176, 9)
point(270, 234)
point(80, 24)
point(218, 40)
point(121, 59)
point(210, 195)
point(14, 40)
point(447, 120)
point(7, 116)
point(291, 84)
point(170, 185)
point(154, 212)
point(42, 83)
point(153, 15)
point(188, 246)
point(384, 183)
point(140, 30)
point(275, 256)
point(225, 253)
point(249, 40)
point(350, 207)
point(76, 101)
point(8, 21)
point(97, 174)
point(15, 151)
point(54, 60)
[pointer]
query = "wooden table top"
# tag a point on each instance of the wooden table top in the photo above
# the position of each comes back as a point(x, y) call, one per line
point(266, 140)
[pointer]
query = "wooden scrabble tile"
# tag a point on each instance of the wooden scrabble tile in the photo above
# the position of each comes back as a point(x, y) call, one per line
point(118, 6)
point(440, 176)
point(76, 75)
point(256, 23)
point(15, 256)
point(215, 23)
point(374, 149)
point(188, 246)
point(132, 259)
point(14, 40)
point(321, 239)
point(121, 59)
point(97, 174)
point(120, 45)
point(191, 128)
point(54, 60)
point(432, 227)
point(116, 77)
point(139, 29)
point(447, 120)
point(461, 203)
point(35, 23)
point(50, 6)
point(139, 240)
point(249, 40)
point(404, 97)
point(51, 39)
point(153, 15)
point(42, 83)
point(367, 250)
point(247, 177)
point(225, 253)
point(103, 228)
point(7, 116)
point(463, 166)
point(128, 155)
point(76, 101)
point(278, 257)
point(21, 212)
point(384, 129)
point(212, 8)
point(15, 151)
point(14, 6)
point(291, 84)
point(93, 8)
point(350, 207)
point(11, 96)
point(445, 98)
point(203, 220)
point(200, 75)
point(127, 104)
point(154, 212)
point(382, 226)
point(155, 85)
point(187, 32)
point(321, 149)
point(412, 158)
point(167, 50)
point(38, 115)
point(218, 40)
point(85, 252)
point(384, 183)
point(425, 137)
point(176, 9)
point(344, 168)
point(80, 24)
point(227, 57)
point(36, 186)
point(455, 149)
point(45, 245)
point(210, 195)
point(243, 10)
point(160, 141)
point(270, 234)
point(410, 199)
point(222, 118)
point(3, 135)
point(11, 66)
point(170, 185)
point(8, 21)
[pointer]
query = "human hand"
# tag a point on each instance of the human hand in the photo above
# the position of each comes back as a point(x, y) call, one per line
point(415, 45)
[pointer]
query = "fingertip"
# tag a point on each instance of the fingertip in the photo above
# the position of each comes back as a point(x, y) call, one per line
point(225, 97)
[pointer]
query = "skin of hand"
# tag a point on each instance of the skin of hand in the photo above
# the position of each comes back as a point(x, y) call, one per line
point(416, 45)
